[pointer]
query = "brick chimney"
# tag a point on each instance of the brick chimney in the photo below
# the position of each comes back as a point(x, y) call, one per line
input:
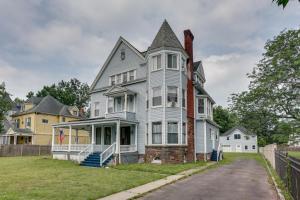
point(188, 45)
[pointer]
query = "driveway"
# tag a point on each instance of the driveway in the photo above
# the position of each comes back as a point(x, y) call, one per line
point(242, 180)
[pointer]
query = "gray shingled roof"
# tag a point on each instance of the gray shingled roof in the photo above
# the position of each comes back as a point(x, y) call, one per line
point(197, 66)
point(165, 38)
point(241, 128)
point(49, 105)
point(34, 100)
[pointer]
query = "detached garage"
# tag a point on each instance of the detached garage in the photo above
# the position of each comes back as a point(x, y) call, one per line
point(239, 139)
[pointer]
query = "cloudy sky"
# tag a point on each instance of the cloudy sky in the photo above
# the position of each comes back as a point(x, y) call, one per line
point(43, 42)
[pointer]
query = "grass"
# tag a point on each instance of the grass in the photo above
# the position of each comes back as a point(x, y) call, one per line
point(295, 154)
point(45, 178)
point(167, 169)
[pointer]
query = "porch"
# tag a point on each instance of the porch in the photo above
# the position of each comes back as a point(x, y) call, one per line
point(107, 137)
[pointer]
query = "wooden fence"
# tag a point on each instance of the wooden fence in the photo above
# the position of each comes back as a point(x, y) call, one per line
point(24, 150)
point(288, 169)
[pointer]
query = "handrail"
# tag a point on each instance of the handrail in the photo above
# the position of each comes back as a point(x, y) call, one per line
point(86, 151)
point(107, 153)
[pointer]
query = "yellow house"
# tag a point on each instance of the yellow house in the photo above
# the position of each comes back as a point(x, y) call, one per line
point(33, 124)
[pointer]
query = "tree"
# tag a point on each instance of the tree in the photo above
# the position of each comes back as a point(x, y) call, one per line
point(4, 104)
point(71, 92)
point(282, 3)
point(224, 118)
point(273, 96)
point(30, 94)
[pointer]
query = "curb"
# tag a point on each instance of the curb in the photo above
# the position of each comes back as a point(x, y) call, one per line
point(278, 190)
point(148, 187)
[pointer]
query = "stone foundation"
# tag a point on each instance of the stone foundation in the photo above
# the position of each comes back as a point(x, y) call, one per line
point(201, 156)
point(166, 154)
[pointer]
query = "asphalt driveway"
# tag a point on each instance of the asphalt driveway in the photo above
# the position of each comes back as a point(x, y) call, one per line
point(242, 180)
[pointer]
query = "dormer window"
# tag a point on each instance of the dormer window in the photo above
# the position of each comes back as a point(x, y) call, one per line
point(112, 80)
point(172, 61)
point(75, 113)
point(156, 65)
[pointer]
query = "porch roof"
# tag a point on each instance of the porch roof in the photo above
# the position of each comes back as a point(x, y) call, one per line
point(117, 90)
point(90, 121)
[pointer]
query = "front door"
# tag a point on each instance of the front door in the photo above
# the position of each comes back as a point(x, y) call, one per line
point(125, 135)
point(98, 135)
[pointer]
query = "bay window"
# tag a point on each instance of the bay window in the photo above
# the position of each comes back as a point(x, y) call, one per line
point(156, 65)
point(156, 99)
point(172, 96)
point(200, 105)
point(172, 133)
point(172, 61)
point(156, 133)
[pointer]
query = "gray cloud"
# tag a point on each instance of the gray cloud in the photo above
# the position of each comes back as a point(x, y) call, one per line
point(42, 42)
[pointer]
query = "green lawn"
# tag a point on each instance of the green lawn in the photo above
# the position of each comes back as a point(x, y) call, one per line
point(295, 154)
point(45, 178)
point(161, 169)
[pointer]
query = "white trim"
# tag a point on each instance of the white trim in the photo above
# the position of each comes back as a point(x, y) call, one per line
point(177, 55)
point(205, 145)
point(180, 102)
point(178, 131)
point(164, 100)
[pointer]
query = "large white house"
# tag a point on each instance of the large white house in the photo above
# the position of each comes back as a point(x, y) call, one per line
point(239, 139)
point(147, 106)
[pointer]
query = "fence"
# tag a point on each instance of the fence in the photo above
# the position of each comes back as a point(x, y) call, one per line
point(269, 153)
point(288, 169)
point(24, 150)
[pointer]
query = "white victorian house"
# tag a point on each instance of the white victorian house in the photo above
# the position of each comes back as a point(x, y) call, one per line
point(146, 106)
point(239, 139)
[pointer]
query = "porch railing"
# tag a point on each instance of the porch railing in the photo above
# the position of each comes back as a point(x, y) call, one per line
point(107, 153)
point(128, 148)
point(65, 147)
point(85, 153)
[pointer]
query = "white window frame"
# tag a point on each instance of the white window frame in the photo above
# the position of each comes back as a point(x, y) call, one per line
point(153, 97)
point(169, 103)
point(95, 108)
point(113, 77)
point(161, 133)
point(201, 98)
point(167, 61)
point(178, 131)
point(154, 63)
point(43, 121)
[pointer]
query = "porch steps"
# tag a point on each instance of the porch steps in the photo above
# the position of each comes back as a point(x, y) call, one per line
point(93, 160)
point(214, 156)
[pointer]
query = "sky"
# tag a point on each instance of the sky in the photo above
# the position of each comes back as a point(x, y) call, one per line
point(43, 42)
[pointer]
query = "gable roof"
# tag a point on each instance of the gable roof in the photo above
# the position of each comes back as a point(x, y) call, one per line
point(49, 105)
point(165, 38)
point(241, 128)
point(120, 40)
point(34, 100)
point(197, 66)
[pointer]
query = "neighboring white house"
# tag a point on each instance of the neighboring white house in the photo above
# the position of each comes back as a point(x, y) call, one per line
point(294, 140)
point(148, 106)
point(239, 139)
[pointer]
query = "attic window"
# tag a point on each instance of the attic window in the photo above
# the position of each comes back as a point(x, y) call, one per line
point(75, 113)
point(123, 54)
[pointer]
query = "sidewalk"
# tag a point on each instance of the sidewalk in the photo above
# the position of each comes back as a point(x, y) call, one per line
point(134, 192)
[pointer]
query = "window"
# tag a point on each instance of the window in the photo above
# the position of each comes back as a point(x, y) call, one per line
point(253, 146)
point(110, 105)
point(107, 135)
point(156, 63)
point(63, 119)
point(123, 54)
point(172, 96)
point(246, 147)
point(237, 136)
point(182, 64)
point(97, 111)
point(45, 121)
point(183, 98)
point(156, 133)
point(183, 133)
point(172, 133)
point(147, 100)
point(75, 113)
point(156, 99)
point(247, 137)
point(112, 80)
point(18, 123)
point(172, 61)
point(118, 104)
point(119, 79)
point(201, 105)
point(131, 75)
point(227, 138)
point(130, 103)
point(28, 122)
point(125, 77)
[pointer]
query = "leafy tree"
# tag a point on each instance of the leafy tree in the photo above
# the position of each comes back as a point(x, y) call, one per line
point(273, 95)
point(30, 94)
point(282, 3)
point(224, 118)
point(4, 104)
point(71, 92)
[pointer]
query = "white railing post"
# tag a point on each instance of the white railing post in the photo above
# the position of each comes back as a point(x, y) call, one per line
point(118, 140)
point(70, 138)
point(53, 137)
point(135, 139)
point(93, 137)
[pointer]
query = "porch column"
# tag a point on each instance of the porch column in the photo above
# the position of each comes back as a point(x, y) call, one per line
point(118, 149)
point(135, 138)
point(93, 137)
point(15, 139)
point(77, 139)
point(70, 138)
point(53, 137)
point(125, 102)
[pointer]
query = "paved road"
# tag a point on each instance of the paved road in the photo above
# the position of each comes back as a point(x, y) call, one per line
point(241, 180)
